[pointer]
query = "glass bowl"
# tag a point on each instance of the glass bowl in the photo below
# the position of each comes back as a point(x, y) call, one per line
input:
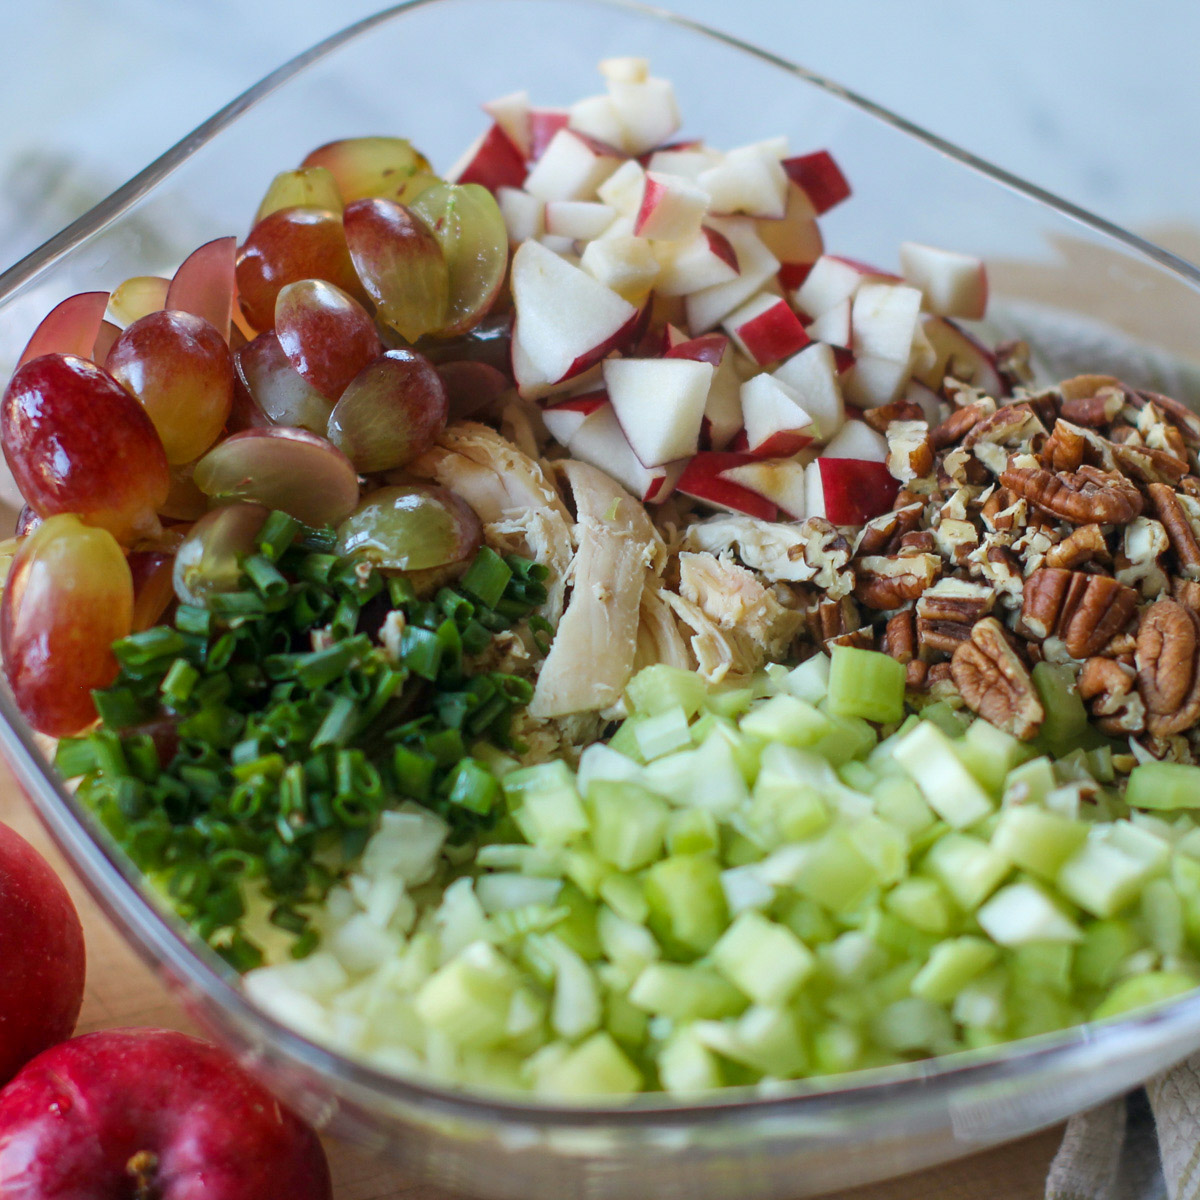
point(1088, 295)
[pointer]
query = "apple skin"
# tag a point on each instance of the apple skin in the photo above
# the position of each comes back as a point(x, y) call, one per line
point(42, 957)
point(101, 1116)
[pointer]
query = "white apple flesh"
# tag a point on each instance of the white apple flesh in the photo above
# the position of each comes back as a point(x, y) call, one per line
point(756, 265)
point(813, 376)
point(705, 261)
point(659, 403)
point(571, 168)
point(599, 441)
point(780, 480)
point(834, 279)
point(776, 422)
point(953, 284)
point(671, 208)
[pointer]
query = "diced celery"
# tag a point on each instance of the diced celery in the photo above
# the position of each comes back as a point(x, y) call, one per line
point(913, 1024)
point(628, 824)
point(883, 846)
point(853, 957)
point(787, 804)
point(706, 776)
point(586, 870)
point(526, 1013)
point(898, 937)
point(767, 961)
point(686, 1065)
point(990, 753)
point(951, 966)
point(663, 733)
point(576, 1008)
point(764, 1038)
point(730, 702)
point(601, 761)
point(1066, 723)
point(596, 1067)
point(659, 688)
point(1163, 916)
point(692, 831)
point(545, 805)
point(1045, 965)
point(867, 684)
point(687, 903)
point(848, 739)
point(1163, 785)
point(468, 998)
point(1101, 878)
point(1105, 946)
point(969, 869)
point(1032, 1010)
point(624, 895)
point(1100, 763)
point(928, 756)
point(981, 1003)
point(810, 680)
point(1140, 990)
point(1029, 783)
point(1022, 912)
point(836, 1048)
point(626, 1023)
point(836, 874)
point(806, 919)
point(1036, 840)
point(685, 993)
point(921, 902)
point(578, 928)
point(745, 888)
point(859, 776)
point(625, 741)
point(953, 722)
point(786, 719)
point(626, 943)
point(898, 801)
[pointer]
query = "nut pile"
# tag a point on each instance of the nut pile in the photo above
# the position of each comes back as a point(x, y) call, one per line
point(1060, 524)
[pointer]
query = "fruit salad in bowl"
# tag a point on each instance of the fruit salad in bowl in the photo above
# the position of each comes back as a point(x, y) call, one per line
point(562, 625)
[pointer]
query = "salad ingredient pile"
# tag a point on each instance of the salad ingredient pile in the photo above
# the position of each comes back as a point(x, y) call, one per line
point(556, 627)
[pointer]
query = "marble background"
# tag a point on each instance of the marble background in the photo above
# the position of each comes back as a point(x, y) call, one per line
point(1097, 100)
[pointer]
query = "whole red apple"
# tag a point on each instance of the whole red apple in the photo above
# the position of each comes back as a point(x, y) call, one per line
point(150, 1114)
point(41, 955)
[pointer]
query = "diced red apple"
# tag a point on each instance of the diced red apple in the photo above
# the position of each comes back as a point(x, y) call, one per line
point(780, 480)
point(686, 161)
point(834, 326)
point(870, 381)
point(600, 441)
point(795, 239)
point(723, 408)
point(858, 441)
point(703, 480)
point(756, 265)
point(572, 167)
point(625, 264)
point(747, 180)
point(659, 403)
point(813, 376)
point(834, 279)
point(565, 319)
point(647, 110)
point(705, 261)
point(597, 117)
point(579, 220)
point(544, 125)
point(671, 208)
point(623, 189)
point(776, 422)
point(524, 215)
point(493, 161)
point(960, 356)
point(766, 329)
point(953, 284)
point(847, 491)
point(564, 419)
point(884, 320)
point(820, 177)
point(511, 113)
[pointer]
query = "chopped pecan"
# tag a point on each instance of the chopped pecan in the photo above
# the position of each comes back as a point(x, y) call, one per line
point(1086, 611)
point(910, 454)
point(960, 422)
point(1080, 387)
point(1168, 647)
point(1187, 593)
point(888, 581)
point(1144, 543)
point(919, 541)
point(916, 674)
point(860, 639)
point(899, 410)
point(1150, 465)
point(899, 638)
point(1064, 448)
point(947, 611)
point(995, 683)
point(829, 619)
point(1013, 424)
point(1182, 417)
point(1094, 411)
point(1110, 691)
point(955, 540)
point(1170, 512)
point(1003, 511)
point(883, 535)
point(1012, 361)
point(1083, 545)
point(1081, 497)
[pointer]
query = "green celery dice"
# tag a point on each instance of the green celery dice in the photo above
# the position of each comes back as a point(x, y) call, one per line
point(951, 966)
point(787, 720)
point(687, 903)
point(685, 993)
point(767, 961)
point(1163, 785)
point(1137, 991)
point(968, 868)
point(866, 684)
point(628, 824)
point(468, 998)
point(596, 1067)
point(929, 757)
point(659, 688)
point(1036, 840)
point(1066, 725)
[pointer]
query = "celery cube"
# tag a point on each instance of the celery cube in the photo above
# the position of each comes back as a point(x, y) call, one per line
point(1163, 785)
point(624, 895)
point(951, 966)
point(786, 719)
point(628, 824)
point(969, 869)
point(468, 999)
point(810, 680)
point(1045, 965)
point(1105, 946)
point(921, 902)
point(685, 993)
point(596, 1067)
point(1163, 916)
point(764, 1038)
point(767, 961)
point(730, 702)
point(1022, 912)
point(1101, 878)
point(1137, 991)
point(848, 738)
point(625, 1022)
point(686, 1065)
point(990, 753)
point(1066, 724)
point(663, 733)
point(912, 1024)
point(659, 688)
point(545, 804)
point(837, 875)
point(867, 684)
point(899, 802)
point(687, 903)
point(1030, 783)
point(625, 942)
point(1036, 840)
point(692, 831)
point(836, 1048)
point(928, 756)
point(707, 776)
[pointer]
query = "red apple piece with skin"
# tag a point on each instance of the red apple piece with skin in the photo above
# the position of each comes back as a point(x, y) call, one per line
point(780, 480)
point(756, 266)
point(327, 335)
point(544, 125)
point(491, 161)
point(820, 177)
point(777, 424)
point(511, 114)
point(834, 279)
point(572, 167)
point(953, 284)
point(795, 238)
point(659, 403)
point(564, 419)
point(205, 284)
point(705, 261)
point(70, 327)
point(848, 491)
point(703, 479)
point(671, 208)
point(813, 377)
point(153, 1113)
point(627, 264)
point(42, 956)
point(959, 356)
point(766, 329)
point(600, 442)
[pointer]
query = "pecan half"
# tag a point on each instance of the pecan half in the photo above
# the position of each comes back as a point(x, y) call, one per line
point(1096, 410)
point(899, 638)
point(960, 422)
point(947, 612)
point(1082, 497)
point(1083, 545)
point(1086, 611)
point(888, 581)
point(1109, 689)
point(1149, 464)
point(1170, 512)
point(995, 683)
point(1168, 647)
point(899, 410)
point(1064, 448)
point(1081, 387)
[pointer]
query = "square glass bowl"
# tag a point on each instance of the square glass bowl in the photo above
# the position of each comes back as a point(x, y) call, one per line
point(1087, 295)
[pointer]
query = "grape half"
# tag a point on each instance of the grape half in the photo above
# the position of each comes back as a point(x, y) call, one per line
point(413, 527)
point(208, 559)
point(274, 391)
point(327, 335)
point(369, 166)
point(309, 187)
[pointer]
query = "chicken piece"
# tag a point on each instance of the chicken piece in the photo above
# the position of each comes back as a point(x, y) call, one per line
point(774, 548)
point(718, 653)
point(592, 656)
point(521, 510)
point(659, 638)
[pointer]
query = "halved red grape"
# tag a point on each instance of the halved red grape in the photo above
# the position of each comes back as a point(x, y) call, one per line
point(413, 527)
point(27, 521)
point(369, 166)
point(153, 590)
point(68, 328)
point(105, 340)
point(137, 296)
point(489, 341)
point(470, 229)
point(292, 244)
point(401, 265)
point(308, 187)
point(276, 392)
point(69, 596)
point(185, 501)
point(204, 284)
point(471, 387)
point(207, 560)
point(181, 370)
point(390, 412)
point(289, 469)
point(77, 442)
point(327, 335)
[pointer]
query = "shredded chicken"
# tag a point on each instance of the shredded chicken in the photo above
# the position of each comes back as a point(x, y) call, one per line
point(659, 637)
point(774, 548)
point(592, 656)
point(521, 510)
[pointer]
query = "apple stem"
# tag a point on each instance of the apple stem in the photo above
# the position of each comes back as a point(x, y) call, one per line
point(142, 1168)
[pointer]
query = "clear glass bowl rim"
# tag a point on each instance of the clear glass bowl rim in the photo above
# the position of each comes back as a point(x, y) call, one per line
point(166, 941)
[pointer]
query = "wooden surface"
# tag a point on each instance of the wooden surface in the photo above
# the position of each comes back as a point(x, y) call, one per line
point(121, 991)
